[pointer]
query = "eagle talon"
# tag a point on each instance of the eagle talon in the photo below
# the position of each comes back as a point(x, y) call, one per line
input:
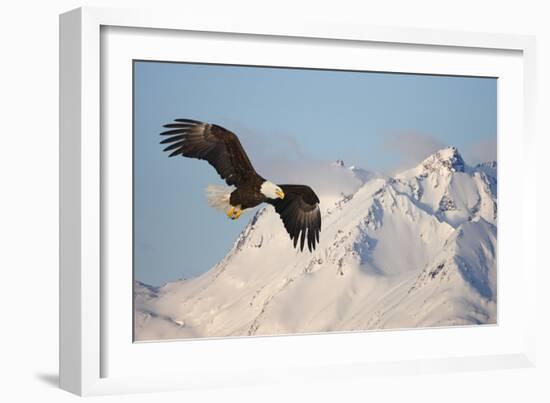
point(237, 214)
point(234, 213)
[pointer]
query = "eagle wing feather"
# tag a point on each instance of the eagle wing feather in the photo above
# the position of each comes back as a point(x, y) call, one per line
point(300, 213)
point(215, 144)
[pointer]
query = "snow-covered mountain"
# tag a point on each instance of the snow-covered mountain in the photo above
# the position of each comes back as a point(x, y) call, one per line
point(414, 250)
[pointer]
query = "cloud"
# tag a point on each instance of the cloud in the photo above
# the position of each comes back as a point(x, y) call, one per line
point(262, 145)
point(482, 151)
point(279, 157)
point(328, 181)
point(410, 147)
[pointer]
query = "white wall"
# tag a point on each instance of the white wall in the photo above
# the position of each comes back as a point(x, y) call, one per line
point(28, 196)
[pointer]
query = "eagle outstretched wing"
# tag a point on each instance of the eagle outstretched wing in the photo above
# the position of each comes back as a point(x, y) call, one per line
point(300, 213)
point(213, 143)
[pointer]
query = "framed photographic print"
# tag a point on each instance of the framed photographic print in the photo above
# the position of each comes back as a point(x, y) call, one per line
point(244, 200)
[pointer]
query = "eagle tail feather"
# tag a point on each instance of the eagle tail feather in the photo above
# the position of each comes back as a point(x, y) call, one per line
point(218, 197)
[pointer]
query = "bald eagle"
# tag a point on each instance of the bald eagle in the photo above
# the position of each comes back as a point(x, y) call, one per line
point(297, 205)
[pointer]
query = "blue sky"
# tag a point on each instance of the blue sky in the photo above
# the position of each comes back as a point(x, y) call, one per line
point(377, 121)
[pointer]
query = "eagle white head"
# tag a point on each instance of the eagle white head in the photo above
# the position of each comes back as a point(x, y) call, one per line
point(272, 191)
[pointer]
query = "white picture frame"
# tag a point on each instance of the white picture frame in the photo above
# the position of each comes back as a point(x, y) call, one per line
point(87, 290)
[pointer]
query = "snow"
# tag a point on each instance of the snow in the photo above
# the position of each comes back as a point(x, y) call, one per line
point(415, 250)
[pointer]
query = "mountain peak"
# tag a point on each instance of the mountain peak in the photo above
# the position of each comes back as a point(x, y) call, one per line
point(445, 160)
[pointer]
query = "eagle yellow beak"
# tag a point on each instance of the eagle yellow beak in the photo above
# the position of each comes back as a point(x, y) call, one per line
point(280, 194)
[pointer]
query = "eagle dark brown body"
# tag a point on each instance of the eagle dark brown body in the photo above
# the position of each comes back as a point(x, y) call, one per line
point(297, 205)
point(248, 195)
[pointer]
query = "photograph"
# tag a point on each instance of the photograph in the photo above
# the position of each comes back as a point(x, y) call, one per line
point(273, 200)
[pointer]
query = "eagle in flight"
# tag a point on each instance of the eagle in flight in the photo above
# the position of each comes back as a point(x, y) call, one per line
point(297, 205)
